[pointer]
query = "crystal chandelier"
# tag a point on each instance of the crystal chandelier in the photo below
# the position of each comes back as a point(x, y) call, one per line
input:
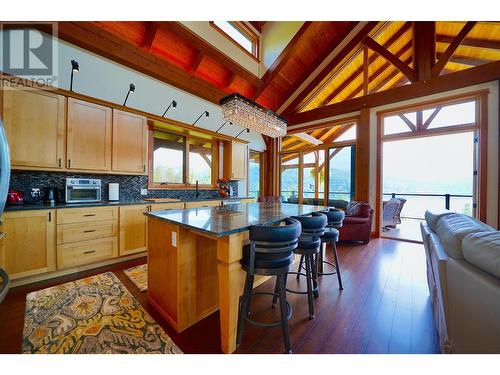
point(248, 114)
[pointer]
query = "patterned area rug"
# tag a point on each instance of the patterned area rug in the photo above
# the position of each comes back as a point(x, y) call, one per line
point(139, 276)
point(92, 315)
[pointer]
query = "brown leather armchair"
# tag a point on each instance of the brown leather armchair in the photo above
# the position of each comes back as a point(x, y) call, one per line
point(357, 225)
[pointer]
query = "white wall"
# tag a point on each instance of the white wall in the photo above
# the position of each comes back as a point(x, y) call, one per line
point(104, 79)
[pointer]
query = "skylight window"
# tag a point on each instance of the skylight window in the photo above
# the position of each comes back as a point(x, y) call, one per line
point(240, 34)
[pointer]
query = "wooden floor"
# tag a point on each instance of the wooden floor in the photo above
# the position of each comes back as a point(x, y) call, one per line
point(384, 308)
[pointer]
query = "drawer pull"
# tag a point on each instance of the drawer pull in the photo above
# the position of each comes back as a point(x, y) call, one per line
point(89, 231)
point(89, 215)
point(89, 252)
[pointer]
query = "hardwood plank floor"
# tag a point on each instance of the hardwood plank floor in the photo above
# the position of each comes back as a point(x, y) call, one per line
point(384, 308)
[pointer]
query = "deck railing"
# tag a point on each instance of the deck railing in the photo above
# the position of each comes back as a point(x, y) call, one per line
point(417, 203)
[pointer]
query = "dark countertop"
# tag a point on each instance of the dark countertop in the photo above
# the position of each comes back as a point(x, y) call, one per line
point(232, 218)
point(47, 206)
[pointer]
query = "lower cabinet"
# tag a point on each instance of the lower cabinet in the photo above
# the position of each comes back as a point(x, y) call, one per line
point(80, 253)
point(29, 245)
point(198, 204)
point(86, 235)
point(133, 229)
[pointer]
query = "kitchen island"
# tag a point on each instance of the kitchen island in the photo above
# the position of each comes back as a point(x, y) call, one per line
point(194, 261)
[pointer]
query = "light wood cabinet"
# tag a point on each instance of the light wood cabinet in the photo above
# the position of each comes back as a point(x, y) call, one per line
point(29, 245)
point(167, 206)
point(88, 136)
point(199, 204)
point(80, 253)
point(86, 215)
point(130, 143)
point(235, 160)
point(34, 121)
point(133, 229)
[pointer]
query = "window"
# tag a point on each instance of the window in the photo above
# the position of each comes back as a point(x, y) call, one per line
point(254, 179)
point(168, 158)
point(341, 173)
point(200, 162)
point(240, 34)
point(290, 177)
point(180, 160)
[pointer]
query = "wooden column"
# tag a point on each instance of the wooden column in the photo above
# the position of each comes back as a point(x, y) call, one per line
point(362, 188)
point(424, 48)
point(272, 166)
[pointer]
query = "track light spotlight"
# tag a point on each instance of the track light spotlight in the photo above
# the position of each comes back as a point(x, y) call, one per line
point(74, 69)
point(131, 90)
point(173, 105)
point(204, 113)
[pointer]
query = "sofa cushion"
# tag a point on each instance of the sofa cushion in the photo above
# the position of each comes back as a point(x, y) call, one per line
point(483, 251)
point(452, 228)
point(432, 217)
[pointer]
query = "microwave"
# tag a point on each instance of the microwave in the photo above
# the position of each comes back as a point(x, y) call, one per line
point(83, 190)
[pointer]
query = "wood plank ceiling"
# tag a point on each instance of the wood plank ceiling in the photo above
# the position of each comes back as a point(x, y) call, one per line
point(369, 58)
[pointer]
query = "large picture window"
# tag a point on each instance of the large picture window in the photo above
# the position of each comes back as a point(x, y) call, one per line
point(180, 160)
point(254, 174)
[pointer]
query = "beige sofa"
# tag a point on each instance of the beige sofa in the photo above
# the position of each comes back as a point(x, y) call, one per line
point(463, 273)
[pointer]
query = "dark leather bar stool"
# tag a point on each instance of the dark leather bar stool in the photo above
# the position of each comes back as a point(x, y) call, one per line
point(270, 253)
point(331, 235)
point(313, 227)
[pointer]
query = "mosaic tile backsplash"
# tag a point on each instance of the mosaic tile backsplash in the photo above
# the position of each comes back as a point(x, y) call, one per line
point(130, 186)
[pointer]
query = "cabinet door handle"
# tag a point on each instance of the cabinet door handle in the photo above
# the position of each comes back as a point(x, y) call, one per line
point(89, 252)
point(89, 231)
point(86, 215)
point(69, 163)
point(144, 168)
point(50, 216)
point(59, 162)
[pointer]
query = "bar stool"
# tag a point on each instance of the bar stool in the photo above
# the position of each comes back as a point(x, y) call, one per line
point(331, 235)
point(270, 253)
point(313, 227)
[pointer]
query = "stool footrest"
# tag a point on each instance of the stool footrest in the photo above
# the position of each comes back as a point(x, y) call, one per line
point(328, 273)
point(272, 324)
point(314, 290)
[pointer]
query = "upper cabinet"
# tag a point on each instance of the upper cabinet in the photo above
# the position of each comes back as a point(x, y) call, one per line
point(34, 121)
point(130, 146)
point(88, 136)
point(235, 160)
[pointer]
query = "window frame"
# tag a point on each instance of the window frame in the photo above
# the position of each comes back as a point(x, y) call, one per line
point(247, 32)
point(261, 171)
point(185, 184)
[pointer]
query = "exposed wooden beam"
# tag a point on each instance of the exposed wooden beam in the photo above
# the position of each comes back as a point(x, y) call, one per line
point(468, 77)
point(94, 39)
point(424, 48)
point(283, 58)
point(389, 56)
point(343, 53)
point(197, 61)
point(339, 131)
point(471, 42)
point(311, 68)
point(375, 74)
point(229, 80)
point(466, 60)
point(366, 65)
point(307, 138)
point(393, 74)
point(201, 45)
point(149, 35)
point(433, 115)
point(438, 67)
point(327, 134)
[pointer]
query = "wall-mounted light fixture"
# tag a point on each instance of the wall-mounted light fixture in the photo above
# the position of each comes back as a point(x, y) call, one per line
point(173, 105)
point(131, 90)
point(204, 113)
point(248, 131)
point(75, 68)
point(225, 122)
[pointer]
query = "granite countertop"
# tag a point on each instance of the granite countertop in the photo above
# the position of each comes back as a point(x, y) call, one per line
point(233, 218)
point(57, 205)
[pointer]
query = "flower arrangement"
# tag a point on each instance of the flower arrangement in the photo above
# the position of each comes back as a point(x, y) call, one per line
point(223, 187)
